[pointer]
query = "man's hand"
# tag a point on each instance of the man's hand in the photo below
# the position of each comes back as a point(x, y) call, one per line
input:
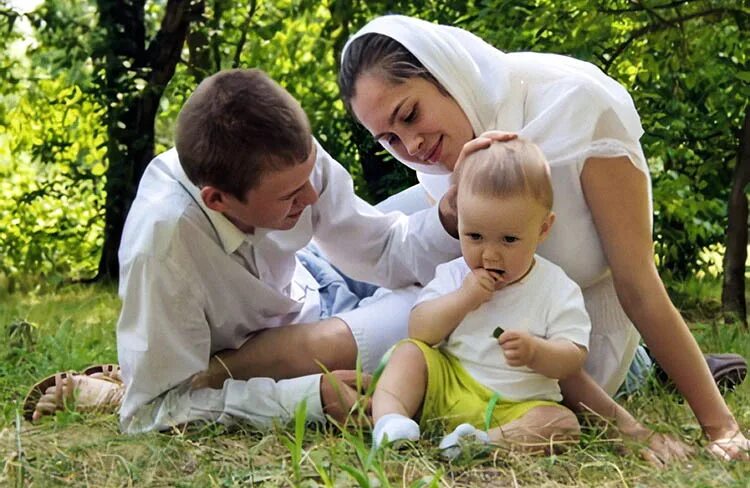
point(339, 394)
point(484, 141)
point(478, 287)
point(519, 347)
point(447, 211)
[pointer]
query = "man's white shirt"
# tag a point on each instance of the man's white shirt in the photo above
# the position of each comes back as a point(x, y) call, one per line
point(193, 284)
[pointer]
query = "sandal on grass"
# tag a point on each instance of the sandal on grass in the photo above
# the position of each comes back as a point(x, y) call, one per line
point(104, 371)
point(728, 370)
point(101, 391)
point(38, 390)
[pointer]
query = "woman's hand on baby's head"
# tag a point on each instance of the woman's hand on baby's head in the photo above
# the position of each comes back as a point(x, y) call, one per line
point(448, 212)
point(484, 141)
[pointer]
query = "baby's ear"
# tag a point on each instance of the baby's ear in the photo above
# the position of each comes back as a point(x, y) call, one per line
point(546, 226)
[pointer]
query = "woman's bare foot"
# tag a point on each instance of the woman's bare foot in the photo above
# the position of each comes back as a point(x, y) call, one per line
point(542, 430)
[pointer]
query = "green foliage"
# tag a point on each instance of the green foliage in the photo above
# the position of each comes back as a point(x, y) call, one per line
point(73, 327)
point(295, 443)
point(686, 64)
point(51, 181)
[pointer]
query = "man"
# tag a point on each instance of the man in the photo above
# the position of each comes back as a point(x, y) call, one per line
point(208, 264)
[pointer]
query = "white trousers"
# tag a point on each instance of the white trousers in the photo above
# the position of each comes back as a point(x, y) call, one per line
point(379, 322)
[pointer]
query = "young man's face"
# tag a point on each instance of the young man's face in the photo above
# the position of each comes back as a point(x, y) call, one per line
point(501, 234)
point(276, 202)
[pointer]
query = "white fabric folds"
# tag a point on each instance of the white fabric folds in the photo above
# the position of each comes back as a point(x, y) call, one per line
point(560, 103)
point(573, 112)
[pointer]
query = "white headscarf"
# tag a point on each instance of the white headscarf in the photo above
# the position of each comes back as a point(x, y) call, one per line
point(570, 108)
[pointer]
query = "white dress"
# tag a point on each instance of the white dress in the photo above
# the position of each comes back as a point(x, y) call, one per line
point(572, 111)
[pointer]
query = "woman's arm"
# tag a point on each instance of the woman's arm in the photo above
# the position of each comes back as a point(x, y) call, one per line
point(582, 395)
point(617, 194)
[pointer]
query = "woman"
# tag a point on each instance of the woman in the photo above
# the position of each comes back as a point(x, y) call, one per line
point(425, 90)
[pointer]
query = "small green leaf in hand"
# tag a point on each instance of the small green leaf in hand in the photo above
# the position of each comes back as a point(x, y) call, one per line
point(497, 332)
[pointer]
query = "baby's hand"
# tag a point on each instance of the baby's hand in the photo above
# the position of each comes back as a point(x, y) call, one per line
point(519, 347)
point(478, 286)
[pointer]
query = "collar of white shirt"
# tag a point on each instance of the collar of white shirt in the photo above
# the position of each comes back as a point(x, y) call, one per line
point(230, 236)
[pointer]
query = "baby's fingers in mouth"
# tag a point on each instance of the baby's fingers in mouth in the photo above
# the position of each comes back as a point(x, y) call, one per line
point(496, 273)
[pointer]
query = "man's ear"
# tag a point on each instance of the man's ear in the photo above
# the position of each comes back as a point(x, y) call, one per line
point(546, 226)
point(214, 198)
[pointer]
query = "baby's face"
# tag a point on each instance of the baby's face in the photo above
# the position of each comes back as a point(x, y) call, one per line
point(501, 234)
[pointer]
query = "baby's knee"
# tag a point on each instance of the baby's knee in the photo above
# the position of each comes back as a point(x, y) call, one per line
point(407, 356)
point(407, 351)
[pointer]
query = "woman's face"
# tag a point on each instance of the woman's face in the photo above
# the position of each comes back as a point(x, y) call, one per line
point(413, 119)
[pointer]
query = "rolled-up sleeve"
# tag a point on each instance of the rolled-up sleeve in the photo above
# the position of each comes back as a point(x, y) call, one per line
point(392, 250)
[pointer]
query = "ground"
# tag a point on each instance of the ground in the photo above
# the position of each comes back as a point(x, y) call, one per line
point(72, 327)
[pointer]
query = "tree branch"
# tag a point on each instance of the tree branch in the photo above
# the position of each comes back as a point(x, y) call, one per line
point(164, 50)
point(243, 36)
point(639, 7)
point(649, 29)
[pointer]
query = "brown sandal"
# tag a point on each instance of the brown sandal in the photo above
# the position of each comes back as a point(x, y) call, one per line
point(98, 388)
point(104, 371)
point(38, 390)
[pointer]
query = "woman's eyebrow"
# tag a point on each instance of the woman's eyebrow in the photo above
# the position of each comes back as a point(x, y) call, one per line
point(392, 118)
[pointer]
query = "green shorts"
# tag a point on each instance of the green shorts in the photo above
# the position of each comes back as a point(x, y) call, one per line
point(453, 397)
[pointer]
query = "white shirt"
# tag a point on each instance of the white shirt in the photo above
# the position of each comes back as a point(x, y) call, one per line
point(545, 303)
point(193, 284)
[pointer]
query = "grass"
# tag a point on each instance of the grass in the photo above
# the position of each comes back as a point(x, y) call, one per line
point(73, 327)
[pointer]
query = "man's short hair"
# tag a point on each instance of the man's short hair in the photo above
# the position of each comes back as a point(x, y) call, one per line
point(238, 125)
point(506, 169)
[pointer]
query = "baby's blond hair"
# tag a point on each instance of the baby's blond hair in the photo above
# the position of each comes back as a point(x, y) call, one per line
point(506, 169)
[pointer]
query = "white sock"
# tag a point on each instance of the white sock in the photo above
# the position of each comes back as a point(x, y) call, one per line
point(450, 445)
point(394, 427)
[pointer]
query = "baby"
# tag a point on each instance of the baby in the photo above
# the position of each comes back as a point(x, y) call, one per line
point(493, 332)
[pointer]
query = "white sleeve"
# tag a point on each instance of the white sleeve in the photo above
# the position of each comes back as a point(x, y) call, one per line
point(392, 250)
point(567, 317)
point(448, 278)
point(163, 339)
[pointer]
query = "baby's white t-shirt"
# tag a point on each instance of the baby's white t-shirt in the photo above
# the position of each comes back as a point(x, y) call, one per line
point(545, 303)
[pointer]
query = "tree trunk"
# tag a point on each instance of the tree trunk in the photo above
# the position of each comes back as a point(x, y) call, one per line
point(135, 79)
point(733, 290)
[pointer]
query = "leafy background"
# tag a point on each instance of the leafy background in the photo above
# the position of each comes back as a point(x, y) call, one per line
point(67, 80)
point(685, 63)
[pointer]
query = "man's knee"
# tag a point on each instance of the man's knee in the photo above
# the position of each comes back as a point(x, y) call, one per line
point(331, 343)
